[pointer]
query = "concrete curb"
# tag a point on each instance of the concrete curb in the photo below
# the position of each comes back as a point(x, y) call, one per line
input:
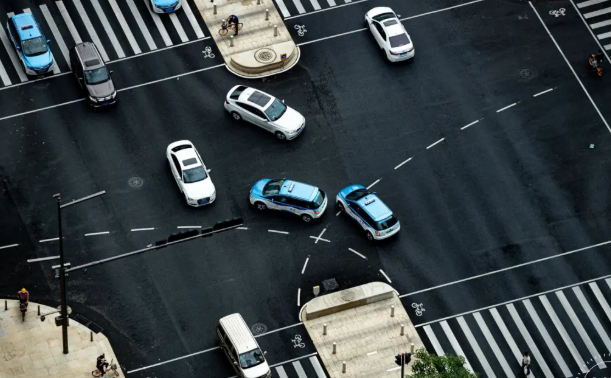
point(254, 76)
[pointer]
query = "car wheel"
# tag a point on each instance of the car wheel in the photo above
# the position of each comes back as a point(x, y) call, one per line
point(369, 236)
point(306, 218)
point(280, 136)
point(260, 206)
point(236, 116)
point(341, 207)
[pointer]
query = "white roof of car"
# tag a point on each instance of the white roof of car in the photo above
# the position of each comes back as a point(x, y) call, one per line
point(186, 156)
point(238, 331)
point(255, 97)
point(395, 29)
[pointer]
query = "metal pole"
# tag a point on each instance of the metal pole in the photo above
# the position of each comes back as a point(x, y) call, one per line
point(402, 329)
point(402, 365)
point(62, 276)
point(267, 15)
point(392, 311)
point(324, 329)
point(344, 367)
point(275, 30)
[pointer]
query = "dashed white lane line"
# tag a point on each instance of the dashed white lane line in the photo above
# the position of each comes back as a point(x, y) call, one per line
point(98, 233)
point(540, 93)
point(381, 271)
point(319, 238)
point(189, 227)
point(304, 265)
point(48, 240)
point(376, 181)
point(338, 213)
point(143, 229)
point(436, 143)
point(469, 125)
point(242, 228)
point(507, 107)
point(353, 251)
point(43, 259)
point(299, 297)
point(278, 232)
point(9, 246)
point(399, 166)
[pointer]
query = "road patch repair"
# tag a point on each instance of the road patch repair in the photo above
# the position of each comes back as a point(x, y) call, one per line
point(262, 47)
point(366, 325)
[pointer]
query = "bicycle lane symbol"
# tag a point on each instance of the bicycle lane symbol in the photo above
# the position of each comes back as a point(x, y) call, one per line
point(297, 342)
point(558, 13)
point(301, 30)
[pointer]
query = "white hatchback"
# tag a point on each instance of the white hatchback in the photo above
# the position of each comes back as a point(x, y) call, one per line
point(265, 111)
point(390, 34)
point(190, 173)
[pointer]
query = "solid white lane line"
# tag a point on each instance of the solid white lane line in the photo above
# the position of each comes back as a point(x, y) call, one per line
point(189, 227)
point(517, 353)
point(563, 333)
point(108, 29)
point(71, 28)
point(601, 299)
point(355, 252)
point(604, 35)
point(98, 233)
point(145, 31)
point(441, 10)
point(493, 345)
point(278, 232)
point(338, 213)
point(41, 109)
point(157, 20)
point(321, 239)
point(600, 24)
point(299, 297)
point(331, 36)
point(593, 318)
point(471, 124)
point(59, 40)
point(281, 372)
point(315, 4)
point(507, 107)
point(571, 67)
point(126, 30)
point(299, 369)
point(317, 368)
point(299, 7)
point(242, 228)
point(597, 13)
point(178, 27)
point(8, 45)
point(304, 265)
point(173, 360)
point(455, 345)
point(283, 9)
point(589, 2)
point(159, 50)
point(433, 339)
point(436, 143)
point(531, 343)
point(384, 274)
point(143, 229)
point(9, 246)
point(48, 240)
point(475, 347)
point(278, 330)
point(579, 327)
point(540, 93)
point(399, 166)
point(376, 181)
point(43, 259)
point(90, 29)
point(192, 20)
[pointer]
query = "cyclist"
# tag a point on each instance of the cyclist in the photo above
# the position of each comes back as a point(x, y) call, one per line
point(100, 364)
point(233, 19)
point(23, 295)
point(597, 59)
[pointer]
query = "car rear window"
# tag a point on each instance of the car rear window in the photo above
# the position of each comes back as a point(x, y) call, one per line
point(273, 187)
point(238, 91)
point(399, 40)
point(386, 223)
point(383, 16)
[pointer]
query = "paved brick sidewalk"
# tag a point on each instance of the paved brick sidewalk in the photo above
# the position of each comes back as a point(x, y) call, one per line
point(34, 349)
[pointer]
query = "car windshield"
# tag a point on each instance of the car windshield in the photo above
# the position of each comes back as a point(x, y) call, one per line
point(399, 40)
point(386, 223)
point(358, 194)
point(384, 16)
point(320, 198)
point(34, 46)
point(275, 110)
point(97, 76)
point(272, 187)
point(251, 358)
point(194, 174)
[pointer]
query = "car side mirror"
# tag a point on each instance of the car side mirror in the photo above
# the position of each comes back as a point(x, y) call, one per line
point(283, 101)
point(178, 178)
point(264, 353)
point(111, 72)
point(235, 363)
point(80, 79)
point(19, 48)
point(208, 170)
point(48, 41)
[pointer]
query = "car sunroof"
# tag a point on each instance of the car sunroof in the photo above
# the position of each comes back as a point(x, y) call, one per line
point(259, 98)
point(189, 162)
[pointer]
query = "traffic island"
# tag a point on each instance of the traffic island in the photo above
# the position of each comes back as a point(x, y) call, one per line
point(359, 331)
point(32, 348)
point(263, 46)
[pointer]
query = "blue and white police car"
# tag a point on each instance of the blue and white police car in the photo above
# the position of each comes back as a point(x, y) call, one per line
point(165, 6)
point(306, 201)
point(369, 211)
point(30, 43)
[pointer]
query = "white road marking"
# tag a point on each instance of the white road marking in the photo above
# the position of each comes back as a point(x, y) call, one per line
point(471, 124)
point(158, 50)
point(399, 166)
point(43, 259)
point(436, 143)
point(571, 67)
point(376, 181)
point(178, 27)
point(294, 359)
point(157, 20)
point(517, 354)
point(143, 229)
point(338, 213)
point(393, 369)
point(71, 28)
point(384, 274)
point(242, 228)
point(304, 265)
point(607, 47)
point(593, 26)
point(326, 9)
point(10, 14)
point(299, 369)
point(57, 35)
point(173, 360)
point(299, 7)
point(455, 345)
point(108, 29)
point(145, 31)
point(433, 339)
point(8, 45)
point(540, 93)
point(299, 297)
point(9, 246)
point(315, 4)
point(281, 372)
point(126, 30)
point(192, 20)
point(189, 227)
point(604, 35)
point(98, 233)
point(355, 252)
point(319, 236)
point(507, 107)
point(493, 345)
point(601, 299)
point(475, 347)
point(441, 10)
point(91, 29)
point(600, 24)
point(331, 3)
point(278, 232)
point(590, 2)
point(317, 239)
point(317, 368)
point(592, 316)
point(332, 36)
point(372, 353)
point(4, 75)
point(48, 240)
point(278, 330)
point(283, 9)
point(597, 13)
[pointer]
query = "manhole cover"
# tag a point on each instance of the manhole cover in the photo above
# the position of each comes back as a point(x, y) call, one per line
point(330, 284)
point(265, 55)
point(527, 73)
point(347, 295)
point(135, 182)
point(258, 328)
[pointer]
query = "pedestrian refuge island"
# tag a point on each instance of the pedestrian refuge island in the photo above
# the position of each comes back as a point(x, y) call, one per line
point(359, 331)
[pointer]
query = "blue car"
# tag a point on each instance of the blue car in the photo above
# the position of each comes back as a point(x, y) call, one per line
point(31, 45)
point(368, 210)
point(306, 201)
point(165, 6)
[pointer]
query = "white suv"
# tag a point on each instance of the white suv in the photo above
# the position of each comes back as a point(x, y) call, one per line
point(190, 173)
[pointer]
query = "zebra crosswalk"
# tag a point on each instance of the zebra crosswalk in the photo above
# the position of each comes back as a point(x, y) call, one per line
point(302, 368)
point(597, 14)
point(567, 334)
point(119, 28)
point(291, 8)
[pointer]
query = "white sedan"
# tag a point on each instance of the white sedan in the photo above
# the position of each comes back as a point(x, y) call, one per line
point(190, 173)
point(265, 111)
point(390, 34)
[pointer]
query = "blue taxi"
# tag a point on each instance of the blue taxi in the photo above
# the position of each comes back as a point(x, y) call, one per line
point(306, 201)
point(368, 210)
point(165, 6)
point(31, 45)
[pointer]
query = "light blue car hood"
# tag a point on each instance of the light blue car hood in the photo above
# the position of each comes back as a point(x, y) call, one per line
point(163, 3)
point(39, 60)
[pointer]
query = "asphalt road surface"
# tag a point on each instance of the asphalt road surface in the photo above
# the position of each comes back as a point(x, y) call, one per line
point(491, 146)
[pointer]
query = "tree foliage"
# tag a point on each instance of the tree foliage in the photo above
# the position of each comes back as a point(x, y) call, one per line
point(432, 366)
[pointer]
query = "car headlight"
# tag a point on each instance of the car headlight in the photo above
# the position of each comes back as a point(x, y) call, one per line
point(93, 99)
point(190, 199)
point(114, 94)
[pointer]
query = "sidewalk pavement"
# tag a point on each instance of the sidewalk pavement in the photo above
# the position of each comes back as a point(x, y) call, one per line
point(256, 51)
point(34, 349)
point(368, 338)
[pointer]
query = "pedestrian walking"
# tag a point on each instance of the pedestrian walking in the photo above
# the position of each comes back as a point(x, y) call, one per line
point(526, 363)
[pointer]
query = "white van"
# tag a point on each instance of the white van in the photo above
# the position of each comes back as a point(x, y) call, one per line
point(241, 348)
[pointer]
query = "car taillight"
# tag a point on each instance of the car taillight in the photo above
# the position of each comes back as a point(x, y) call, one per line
point(392, 53)
point(412, 49)
point(226, 101)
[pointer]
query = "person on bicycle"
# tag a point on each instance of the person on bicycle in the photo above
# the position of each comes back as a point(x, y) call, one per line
point(233, 19)
point(101, 364)
point(23, 295)
point(597, 59)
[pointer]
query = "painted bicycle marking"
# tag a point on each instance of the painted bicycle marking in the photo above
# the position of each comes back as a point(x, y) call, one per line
point(558, 13)
point(301, 30)
point(208, 52)
point(297, 342)
point(419, 308)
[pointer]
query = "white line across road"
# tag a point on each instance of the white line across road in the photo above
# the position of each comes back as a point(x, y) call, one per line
point(9, 246)
point(192, 20)
point(597, 13)
point(173, 360)
point(145, 31)
point(178, 27)
point(43, 259)
point(356, 253)
point(319, 236)
point(108, 29)
point(540, 93)
point(159, 24)
point(298, 297)
point(304, 265)
point(433, 339)
point(143, 229)
point(589, 2)
point(321, 239)
point(349, 2)
point(283, 9)
point(455, 345)
point(384, 274)
point(278, 232)
point(242, 228)
point(400, 165)
point(375, 182)
point(189, 227)
point(593, 26)
point(436, 143)
point(469, 125)
point(507, 107)
point(475, 347)
point(48, 240)
point(126, 30)
point(98, 233)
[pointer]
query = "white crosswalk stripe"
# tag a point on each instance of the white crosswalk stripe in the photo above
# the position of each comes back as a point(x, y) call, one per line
point(143, 29)
point(283, 9)
point(590, 2)
point(455, 345)
point(281, 372)
point(595, 10)
point(108, 29)
point(178, 27)
point(433, 339)
point(331, 3)
point(56, 35)
point(68, 21)
point(475, 346)
point(593, 319)
point(299, 369)
point(317, 368)
point(517, 354)
point(126, 30)
point(299, 7)
point(493, 345)
point(601, 299)
point(157, 20)
point(192, 20)
point(90, 29)
point(315, 4)
point(4, 75)
point(597, 13)
point(8, 45)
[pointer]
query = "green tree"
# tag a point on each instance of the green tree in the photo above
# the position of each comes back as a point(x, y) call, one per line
point(432, 366)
